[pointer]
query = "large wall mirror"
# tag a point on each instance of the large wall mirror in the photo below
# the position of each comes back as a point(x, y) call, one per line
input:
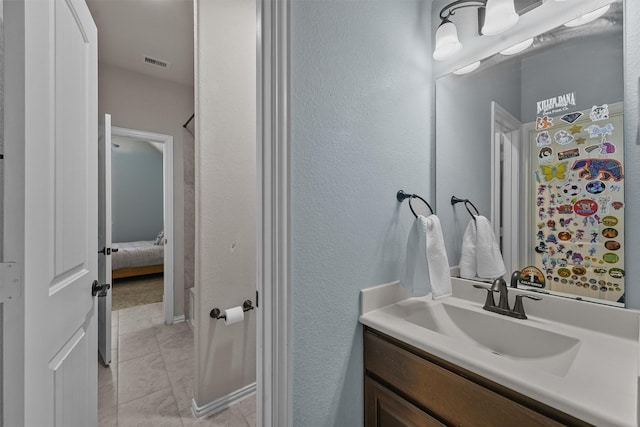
point(535, 141)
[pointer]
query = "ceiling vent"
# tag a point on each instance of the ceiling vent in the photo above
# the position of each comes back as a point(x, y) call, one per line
point(156, 62)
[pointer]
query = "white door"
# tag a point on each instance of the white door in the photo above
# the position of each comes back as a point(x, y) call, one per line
point(104, 237)
point(51, 145)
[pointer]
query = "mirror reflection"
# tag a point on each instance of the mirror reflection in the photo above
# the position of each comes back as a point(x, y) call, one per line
point(535, 140)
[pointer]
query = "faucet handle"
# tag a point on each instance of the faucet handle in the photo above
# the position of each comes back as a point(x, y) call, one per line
point(518, 308)
point(489, 302)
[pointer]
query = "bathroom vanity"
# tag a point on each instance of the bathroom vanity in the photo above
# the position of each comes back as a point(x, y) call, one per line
point(450, 362)
point(406, 383)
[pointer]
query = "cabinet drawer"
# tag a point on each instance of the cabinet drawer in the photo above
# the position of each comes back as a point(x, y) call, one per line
point(455, 399)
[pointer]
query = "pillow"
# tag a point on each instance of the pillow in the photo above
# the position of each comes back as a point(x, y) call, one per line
point(160, 239)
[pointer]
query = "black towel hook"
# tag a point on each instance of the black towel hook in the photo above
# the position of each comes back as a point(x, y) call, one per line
point(401, 196)
point(466, 202)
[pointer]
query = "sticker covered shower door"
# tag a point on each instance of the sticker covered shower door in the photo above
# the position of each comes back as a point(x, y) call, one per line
point(578, 200)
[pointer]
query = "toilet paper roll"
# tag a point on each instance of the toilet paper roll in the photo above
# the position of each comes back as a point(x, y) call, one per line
point(233, 315)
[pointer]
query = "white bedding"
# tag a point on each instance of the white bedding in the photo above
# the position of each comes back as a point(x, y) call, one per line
point(136, 254)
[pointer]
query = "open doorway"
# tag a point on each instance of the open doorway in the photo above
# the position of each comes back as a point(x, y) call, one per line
point(142, 219)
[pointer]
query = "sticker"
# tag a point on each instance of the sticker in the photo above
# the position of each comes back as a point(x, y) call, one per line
point(616, 273)
point(563, 137)
point(568, 154)
point(607, 147)
point(600, 272)
point(604, 204)
point(596, 131)
point(604, 169)
point(615, 188)
point(610, 233)
point(551, 172)
point(575, 129)
point(592, 148)
point(577, 258)
point(610, 221)
point(581, 140)
point(610, 258)
point(545, 155)
point(612, 245)
point(551, 238)
point(565, 209)
point(571, 189)
point(599, 112)
point(579, 270)
point(564, 235)
point(585, 207)
point(543, 123)
point(532, 276)
point(571, 117)
point(596, 187)
point(617, 205)
point(543, 138)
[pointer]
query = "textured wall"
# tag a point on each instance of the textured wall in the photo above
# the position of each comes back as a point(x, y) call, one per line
point(226, 200)
point(360, 131)
point(136, 190)
point(463, 150)
point(140, 102)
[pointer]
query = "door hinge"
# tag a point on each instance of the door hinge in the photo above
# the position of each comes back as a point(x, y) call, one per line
point(9, 281)
point(257, 299)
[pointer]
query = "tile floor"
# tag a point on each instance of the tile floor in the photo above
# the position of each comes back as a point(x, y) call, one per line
point(150, 379)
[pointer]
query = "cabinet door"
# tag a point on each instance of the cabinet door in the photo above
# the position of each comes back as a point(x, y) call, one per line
point(383, 408)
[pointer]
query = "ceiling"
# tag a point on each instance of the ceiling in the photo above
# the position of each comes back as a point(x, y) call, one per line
point(161, 29)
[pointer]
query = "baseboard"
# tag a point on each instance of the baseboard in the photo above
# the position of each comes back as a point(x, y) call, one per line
point(178, 319)
point(221, 403)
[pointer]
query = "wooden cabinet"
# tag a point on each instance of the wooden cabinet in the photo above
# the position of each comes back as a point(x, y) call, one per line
point(405, 386)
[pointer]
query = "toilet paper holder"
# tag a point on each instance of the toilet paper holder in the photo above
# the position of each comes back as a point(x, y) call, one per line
point(217, 314)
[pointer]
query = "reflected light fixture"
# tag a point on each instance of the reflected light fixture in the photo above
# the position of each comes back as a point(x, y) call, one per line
point(588, 17)
point(517, 48)
point(468, 69)
point(494, 17)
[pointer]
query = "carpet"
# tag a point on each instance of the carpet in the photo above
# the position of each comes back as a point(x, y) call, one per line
point(134, 291)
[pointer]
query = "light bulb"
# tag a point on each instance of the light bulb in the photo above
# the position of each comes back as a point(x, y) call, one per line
point(499, 17)
point(447, 42)
point(468, 69)
point(517, 48)
point(588, 17)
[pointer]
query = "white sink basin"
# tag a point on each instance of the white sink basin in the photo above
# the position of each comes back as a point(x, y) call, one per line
point(578, 357)
point(539, 348)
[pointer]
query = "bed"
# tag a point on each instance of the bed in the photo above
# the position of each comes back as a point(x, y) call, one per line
point(136, 259)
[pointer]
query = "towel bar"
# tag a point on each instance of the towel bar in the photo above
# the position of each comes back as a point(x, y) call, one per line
point(401, 196)
point(466, 202)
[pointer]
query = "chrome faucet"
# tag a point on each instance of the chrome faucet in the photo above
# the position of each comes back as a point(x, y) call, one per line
point(500, 286)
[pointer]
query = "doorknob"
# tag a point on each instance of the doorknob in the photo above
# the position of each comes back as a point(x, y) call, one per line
point(102, 289)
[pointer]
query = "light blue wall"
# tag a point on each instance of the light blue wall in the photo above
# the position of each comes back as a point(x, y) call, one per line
point(463, 149)
point(589, 66)
point(136, 179)
point(361, 130)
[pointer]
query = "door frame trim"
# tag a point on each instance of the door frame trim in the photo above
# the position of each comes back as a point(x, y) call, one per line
point(273, 370)
point(168, 206)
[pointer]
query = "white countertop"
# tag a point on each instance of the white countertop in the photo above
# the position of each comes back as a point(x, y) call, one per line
point(600, 386)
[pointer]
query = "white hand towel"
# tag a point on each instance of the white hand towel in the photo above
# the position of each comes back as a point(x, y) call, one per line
point(480, 257)
point(416, 272)
point(439, 275)
point(427, 265)
point(488, 256)
point(468, 265)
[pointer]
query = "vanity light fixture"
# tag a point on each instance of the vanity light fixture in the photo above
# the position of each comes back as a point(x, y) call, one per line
point(588, 17)
point(468, 69)
point(517, 48)
point(494, 17)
